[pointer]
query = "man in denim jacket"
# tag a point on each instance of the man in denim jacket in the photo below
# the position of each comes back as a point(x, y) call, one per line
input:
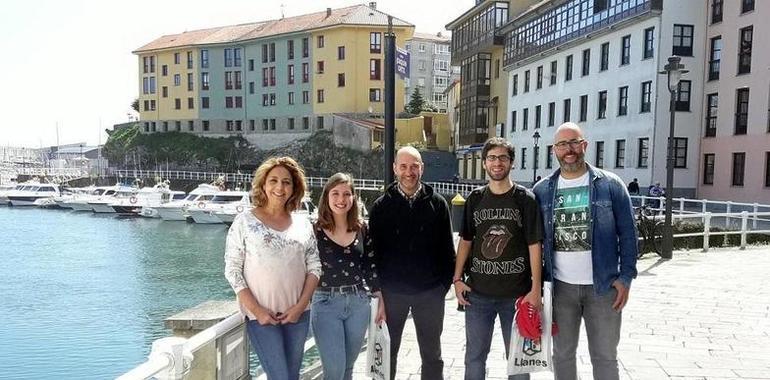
point(590, 251)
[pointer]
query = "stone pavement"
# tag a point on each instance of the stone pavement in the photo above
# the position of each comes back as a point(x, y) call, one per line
point(697, 316)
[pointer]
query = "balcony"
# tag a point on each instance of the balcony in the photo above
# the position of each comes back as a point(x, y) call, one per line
point(476, 31)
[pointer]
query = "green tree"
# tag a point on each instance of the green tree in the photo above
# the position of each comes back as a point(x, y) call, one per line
point(135, 105)
point(416, 102)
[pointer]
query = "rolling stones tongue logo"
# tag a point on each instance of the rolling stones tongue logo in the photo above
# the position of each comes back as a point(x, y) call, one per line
point(495, 240)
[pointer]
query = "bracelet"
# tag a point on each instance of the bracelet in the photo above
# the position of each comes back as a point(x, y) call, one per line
point(456, 280)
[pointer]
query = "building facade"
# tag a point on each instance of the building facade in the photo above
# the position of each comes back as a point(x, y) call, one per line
point(597, 63)
point(735, 146)
point(270, 82)
point(430, 72)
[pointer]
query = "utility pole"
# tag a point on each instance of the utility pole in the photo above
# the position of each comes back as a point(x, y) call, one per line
point(389, 146)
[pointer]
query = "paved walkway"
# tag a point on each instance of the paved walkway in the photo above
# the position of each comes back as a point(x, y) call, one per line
point(698, 316)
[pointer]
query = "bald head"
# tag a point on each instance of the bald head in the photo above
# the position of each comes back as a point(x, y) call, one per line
point(408, 169)
point(568, 131)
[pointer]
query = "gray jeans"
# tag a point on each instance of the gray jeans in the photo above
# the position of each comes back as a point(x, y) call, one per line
point(570, 304)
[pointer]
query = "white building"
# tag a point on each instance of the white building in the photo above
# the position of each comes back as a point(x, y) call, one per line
point(596, 63)
point(429, 68)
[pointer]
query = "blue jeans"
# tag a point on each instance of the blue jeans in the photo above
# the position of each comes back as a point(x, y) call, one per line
point(571, 303)
point(339, 323)
point(479, 326)
point(280, 347)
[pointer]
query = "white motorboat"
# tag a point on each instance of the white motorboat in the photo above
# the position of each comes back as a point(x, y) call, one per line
point(144, 197)
point(70, 194)
point(306, 208)
point(4, 190)
point(205, 212)
point(33, 194)
point(177, 209)
point(152, 211)
point(102, 203)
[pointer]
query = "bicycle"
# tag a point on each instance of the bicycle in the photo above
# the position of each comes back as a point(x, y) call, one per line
point(650, 230)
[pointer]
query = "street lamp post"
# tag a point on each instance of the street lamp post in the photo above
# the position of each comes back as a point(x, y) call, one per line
point(673, 70)
point(536, 139)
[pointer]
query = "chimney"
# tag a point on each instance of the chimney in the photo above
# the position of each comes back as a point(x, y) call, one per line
point(373, 4)
point(328, 12)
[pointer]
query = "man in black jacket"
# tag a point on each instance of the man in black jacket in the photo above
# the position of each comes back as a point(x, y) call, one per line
point(412, 236)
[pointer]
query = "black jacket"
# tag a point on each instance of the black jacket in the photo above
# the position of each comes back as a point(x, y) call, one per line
point(413, 244)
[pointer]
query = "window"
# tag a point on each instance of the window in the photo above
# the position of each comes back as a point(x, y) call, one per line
point(649, 38)
point(265, 77)
point(568, 69)
point(526, 81)
point(567, 109)
point(374, 69)
point(189, 82)
point(539, 77)
point(513, 121)
point(525, 119)
point(190, 103)
point(164, 70)
point(583, 108)
point(265, 100)
point(265, 124)
point(189, 60)
point(251, 65)
point(623, 101)
point(229, 58)
point(291, 97)
point(239, 125)
point(375, 42)
point(712, 106)
point(204, 59)
point(523, 158)
point(644, 151)
point(620, 153)
point(744, 52)
point(552, 80)
point(646, 97)
point(228, 80)
point(538, 114)
point(319, 67)
point(305, 47)
point(747, 5)
point(252, 126)
point(625, 50)
point(375, 95)
point(585, 70)
point(605, 57)
point(321, 41)
point(290, 74)
point(708, 168)
point(229, 101)
point(680, 152)
point(177, 80)
point(146, 105)
point(305, 122)
point(683, 95)
point(320, 96)
point(290, 49)
point(272, 100)
point(290, 123)
point(683, 37)
point(190, 125)
point(341, 80)
point(305, 97)
point(164, 91)
point(264, 53)
point(716, 11)
point(341, 53)
point(599, 154)
point(767, 169)
point(305, 72)
point(176, 58)
point(177, 104)
point(497, 69)
point(152, 105)
point(742, 111)
point(515, 85)
point(551, 113)
point(272, 124)
point(602, 112)
point(739, 166)
point(205, 125)
point(319, 122)
point(272, 54)
point(548, 156)
point(715, 56)
point(205, 102)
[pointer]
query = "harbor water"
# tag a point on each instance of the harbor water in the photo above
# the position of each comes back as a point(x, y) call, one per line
point(82, 296)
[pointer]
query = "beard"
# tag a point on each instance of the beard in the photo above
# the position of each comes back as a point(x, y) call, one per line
point(575, 166)
point(498, 177)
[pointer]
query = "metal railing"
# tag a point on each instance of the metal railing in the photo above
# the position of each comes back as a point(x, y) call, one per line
point(707, 218)
point(728, 210)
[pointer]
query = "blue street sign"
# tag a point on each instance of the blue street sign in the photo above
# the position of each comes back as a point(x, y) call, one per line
point(402, 63)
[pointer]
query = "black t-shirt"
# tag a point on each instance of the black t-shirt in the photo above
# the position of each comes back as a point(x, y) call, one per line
point(501, 228)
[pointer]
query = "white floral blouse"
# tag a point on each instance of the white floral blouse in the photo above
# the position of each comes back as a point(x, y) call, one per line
point(271, 264)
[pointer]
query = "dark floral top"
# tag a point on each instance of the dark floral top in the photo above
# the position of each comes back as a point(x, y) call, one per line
point(349, 265)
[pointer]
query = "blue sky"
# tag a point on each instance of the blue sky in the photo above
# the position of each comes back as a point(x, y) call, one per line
point(69, 63)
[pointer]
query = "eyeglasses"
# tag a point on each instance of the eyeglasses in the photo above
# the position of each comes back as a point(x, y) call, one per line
point(502, 158)
point(574, 144)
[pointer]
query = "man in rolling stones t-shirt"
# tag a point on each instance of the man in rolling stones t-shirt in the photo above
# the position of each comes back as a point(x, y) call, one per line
point(498, 257)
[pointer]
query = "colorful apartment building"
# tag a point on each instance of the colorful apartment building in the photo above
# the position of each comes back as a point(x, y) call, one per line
point(268, 81)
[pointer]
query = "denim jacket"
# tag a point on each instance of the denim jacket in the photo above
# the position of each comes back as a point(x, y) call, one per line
point(613, 230)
